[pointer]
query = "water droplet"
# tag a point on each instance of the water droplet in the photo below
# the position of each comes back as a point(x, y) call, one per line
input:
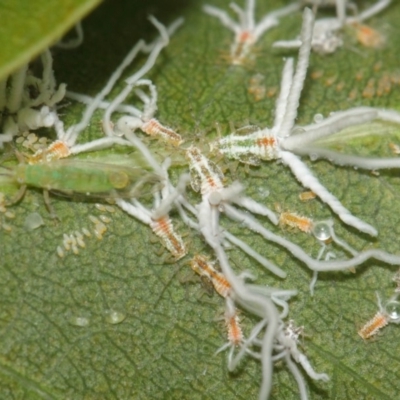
point(313, 157)
point(79, 321)
point(114, 317)
point(322, 231)
point(318, 118)
point(393, 310)
point(263, 192)
point(33, 221)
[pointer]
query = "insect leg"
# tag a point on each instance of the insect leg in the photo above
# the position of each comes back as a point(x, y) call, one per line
point(18, 196)
point(48, 204)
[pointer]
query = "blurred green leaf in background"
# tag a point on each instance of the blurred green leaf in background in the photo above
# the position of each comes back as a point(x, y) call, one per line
point(29, 27)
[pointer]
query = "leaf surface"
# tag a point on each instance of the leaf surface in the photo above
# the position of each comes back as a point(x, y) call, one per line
point(117, 322)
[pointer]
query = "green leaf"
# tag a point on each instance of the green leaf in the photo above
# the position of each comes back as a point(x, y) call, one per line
point(59, 339)
point(29, 27)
